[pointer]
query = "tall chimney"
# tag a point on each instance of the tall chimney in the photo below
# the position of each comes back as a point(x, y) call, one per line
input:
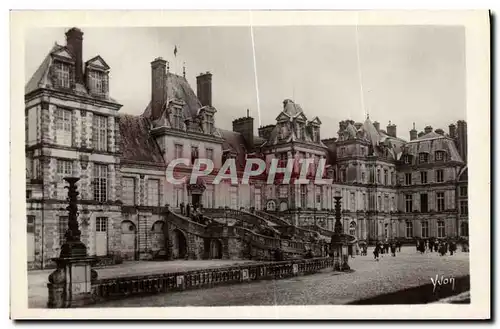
point(158, 81)
point(244, 126)
point(204, 88)
point(413, 133)
point(391, 130)
point(376, 124)
point(453, 131)
point(74, 43)
point(462, 139)
point(428, 129)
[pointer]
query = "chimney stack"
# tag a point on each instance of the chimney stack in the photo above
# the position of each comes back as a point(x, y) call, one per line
point(204, 88)
point(420, 134)
point(376, 124)
point(244, 126)
point(462, 139)
point(428, 129)
point(74, 43)
point(413, 133)
point(391, 130)
point(265, 131)
point(439, 131)
point(453, 131)
point(158, 81)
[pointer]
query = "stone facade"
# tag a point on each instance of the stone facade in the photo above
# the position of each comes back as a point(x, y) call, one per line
point(75, 131)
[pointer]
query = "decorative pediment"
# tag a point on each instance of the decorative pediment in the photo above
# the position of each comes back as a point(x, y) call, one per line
point(301, 117)
point(283, 117)
point(97, 63)
point(63, 53)
point(316, 121)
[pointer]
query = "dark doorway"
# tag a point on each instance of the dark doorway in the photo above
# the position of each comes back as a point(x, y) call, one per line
point(180, 245)
point(195, 199)
point(216, 249)
point(424, 203)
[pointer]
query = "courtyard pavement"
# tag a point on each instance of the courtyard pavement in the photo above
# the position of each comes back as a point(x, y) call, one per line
point(370, 278)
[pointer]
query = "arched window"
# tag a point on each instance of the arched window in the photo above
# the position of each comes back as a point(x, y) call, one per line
point(157, 227)
point(464, 229)
point(352, 228)
point(441, 229)
point(271, 205)
point(409, 229)
point(425, 229)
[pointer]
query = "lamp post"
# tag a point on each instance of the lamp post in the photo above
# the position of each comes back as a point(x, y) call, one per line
point(70, 284)
point(337, 242)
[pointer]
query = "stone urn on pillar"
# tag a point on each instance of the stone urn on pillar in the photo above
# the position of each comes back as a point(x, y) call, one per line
point(70, 284)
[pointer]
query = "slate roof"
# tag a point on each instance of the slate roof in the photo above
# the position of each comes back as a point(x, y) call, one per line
point(136, 143)
point(234, 142)
point(177, 87)
point(40, 79)
point(432, 142)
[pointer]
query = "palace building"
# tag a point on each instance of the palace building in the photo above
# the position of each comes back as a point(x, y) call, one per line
point(390, 187)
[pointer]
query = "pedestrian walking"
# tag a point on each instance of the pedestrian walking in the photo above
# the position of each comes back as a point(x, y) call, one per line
point(182, 208)
point(393, 249)
point(376, 252)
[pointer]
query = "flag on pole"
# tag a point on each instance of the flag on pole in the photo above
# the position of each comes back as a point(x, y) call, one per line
point(175, 51)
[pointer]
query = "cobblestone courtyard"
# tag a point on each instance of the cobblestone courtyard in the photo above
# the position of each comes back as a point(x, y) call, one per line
point(390, 274)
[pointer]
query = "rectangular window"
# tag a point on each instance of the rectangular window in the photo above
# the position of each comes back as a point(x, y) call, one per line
point(178, 195)
point(463, 190)
point(303, 196)
point(153, 192)
point(129, 191)
point(440, 201)
point(423, 177)
point(63, 227)
point(424, 203)
point(441, 229)
point(65, 167)
point(100, 183)
point(464, 207)
point(101, 224)
point(63, 127)
point(423, 158)
point(62, 74)
point(210, 154)
point(342, 151)
point(386, 177)
point(194, 153)
point(386, 203)
point(179, 150)
point(439, 176)
point(439, 156)
point(408, 178)
point(380, 208)
point(365, 201)
point(393, 204)
point(379, 180)
point(425, 229)
point(29, 194)
point(363, 151)
point(97, 82)
point(283, 191)
point(409, 202)
point(318, 200)
point(409, 229)
point(363, 177)
point(30, 224)
point(99, 132)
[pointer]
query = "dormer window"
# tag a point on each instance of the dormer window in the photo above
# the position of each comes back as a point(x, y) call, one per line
point(440, 156)
point(96, 82)
point(62, 74)
point(423, 158)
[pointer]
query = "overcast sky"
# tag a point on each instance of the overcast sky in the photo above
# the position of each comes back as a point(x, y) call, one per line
point(405, 74)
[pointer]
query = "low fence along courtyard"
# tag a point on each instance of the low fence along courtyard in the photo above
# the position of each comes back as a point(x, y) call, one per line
point(122, 287)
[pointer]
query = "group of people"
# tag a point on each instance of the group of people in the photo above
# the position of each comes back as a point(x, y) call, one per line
point(194, 213)
point(440, 246)
point(385, 247)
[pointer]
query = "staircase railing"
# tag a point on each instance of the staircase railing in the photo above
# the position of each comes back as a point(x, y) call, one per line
point(272, 218)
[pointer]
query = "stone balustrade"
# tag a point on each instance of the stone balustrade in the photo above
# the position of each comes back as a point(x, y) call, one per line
point(123, 287)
